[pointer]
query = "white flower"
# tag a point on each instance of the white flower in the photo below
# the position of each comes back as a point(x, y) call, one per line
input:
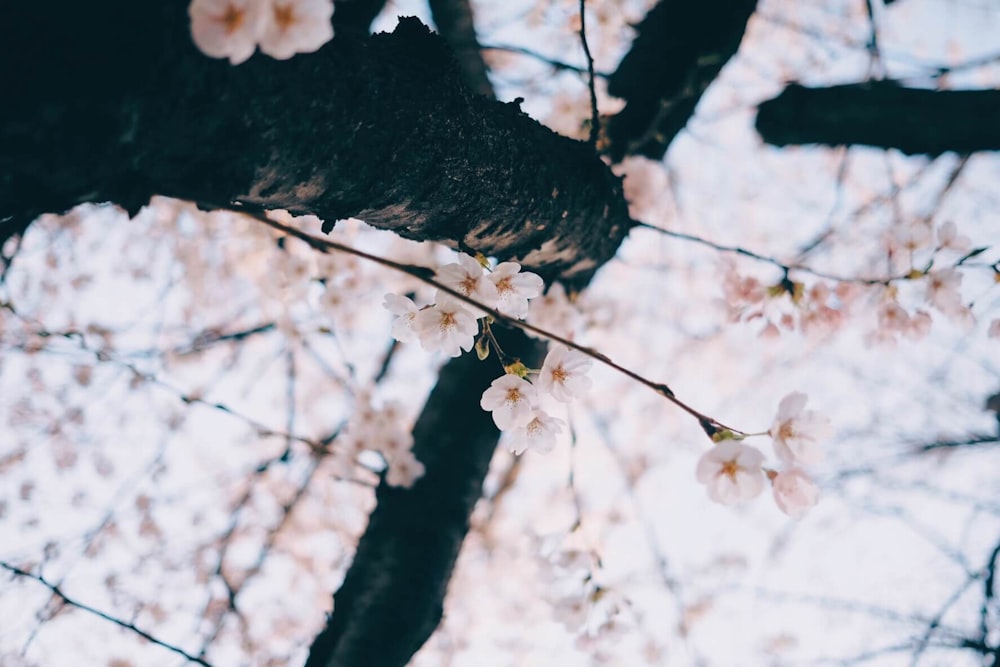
point(732, 471)
point(539, 434)
point(514, 288)
point(948, 237)
point(794, 492)
point(406, 312)
point(226, 28)
point(446, 326)
point(466, 277)
point(510, 399)
point(796, 431)
point(404, 470)
point(564, 373)
point(295, 26)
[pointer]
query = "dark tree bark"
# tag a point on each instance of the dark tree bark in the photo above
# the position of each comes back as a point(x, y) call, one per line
point(885, 115)
point(380, 129)
point(680, 49)
point(391, 599)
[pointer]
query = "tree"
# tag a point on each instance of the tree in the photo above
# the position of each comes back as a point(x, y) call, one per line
point(391, 129)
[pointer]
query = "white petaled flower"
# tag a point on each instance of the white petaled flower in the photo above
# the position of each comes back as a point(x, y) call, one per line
point(510, 398)
point(446, 326)
point(295, 26)
point(514, 288)
point(466, 277)
point(564, 373)
point(794, 492)
point(404, 470)
point(797, 431)
point(732, 472)
point(539, 434)
point(406, 312)
point(942, 290)
point(226, 28)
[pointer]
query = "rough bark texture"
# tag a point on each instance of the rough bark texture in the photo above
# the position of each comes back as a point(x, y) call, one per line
point(381, 129)
point(680, 49)
point(885, 115)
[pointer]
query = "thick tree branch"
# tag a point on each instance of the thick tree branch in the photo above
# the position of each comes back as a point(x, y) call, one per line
point(680, 50)
point(378, 128)
point(885, 115)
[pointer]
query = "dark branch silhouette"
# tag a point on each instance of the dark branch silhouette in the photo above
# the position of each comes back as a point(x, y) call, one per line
point(885, 115)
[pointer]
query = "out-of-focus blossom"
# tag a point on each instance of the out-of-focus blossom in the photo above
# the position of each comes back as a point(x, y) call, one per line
point(794, 492)
point(797, 431)
point(295, 26)
point(226, 28)
point(539, 434)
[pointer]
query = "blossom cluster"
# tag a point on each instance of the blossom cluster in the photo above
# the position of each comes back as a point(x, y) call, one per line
point(517, 404)
point(918, 275)
point(384, 430)
point(735, 472)
point(450, 325)
point(281, 28)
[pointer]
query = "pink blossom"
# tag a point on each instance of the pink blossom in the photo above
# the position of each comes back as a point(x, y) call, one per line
point(514, 288)
point(226, 28)
point(295, 26)
point(797, 431)
point(564, 373)
point(511, 399)
point(539, 434)
point(794, 492)
point(732, 472)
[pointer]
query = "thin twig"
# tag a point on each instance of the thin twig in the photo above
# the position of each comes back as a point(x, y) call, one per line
point(425, 275)
point(595, 117)
point(57, 591)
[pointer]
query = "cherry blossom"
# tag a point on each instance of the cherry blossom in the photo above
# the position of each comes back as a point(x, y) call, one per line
point(948, 237)
point(942, 290)
point(555, 313)
point(404, 470)
point(295, 26)
point(515, 288)
point(446, 326)
point(893, 318)
point(405, 312)
point(510, 398)
point(564, 373)
point(226, 28)
point(466, 277)
point(732, 472)
point(539, 434)
point(794, 492)
point(797, 432)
